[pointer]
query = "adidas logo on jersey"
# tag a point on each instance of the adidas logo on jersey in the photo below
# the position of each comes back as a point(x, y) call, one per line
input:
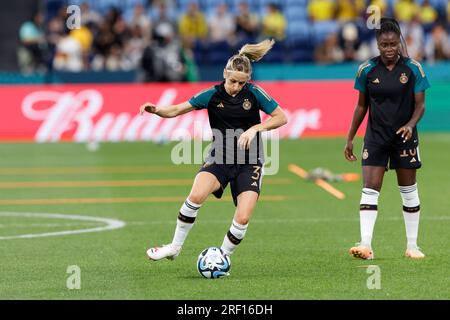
point(220, 105)
point(376, 80)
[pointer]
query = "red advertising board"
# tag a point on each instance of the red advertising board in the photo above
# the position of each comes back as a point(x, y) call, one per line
point(109, 112)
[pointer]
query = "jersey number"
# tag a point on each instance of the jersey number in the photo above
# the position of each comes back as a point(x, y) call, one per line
point(256, 172)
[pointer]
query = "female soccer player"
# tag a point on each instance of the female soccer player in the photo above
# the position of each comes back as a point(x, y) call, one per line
point(236, 155)
point(392, 86)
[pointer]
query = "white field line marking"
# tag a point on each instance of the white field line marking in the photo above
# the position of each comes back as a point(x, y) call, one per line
point(110, 224)
point(46, 225)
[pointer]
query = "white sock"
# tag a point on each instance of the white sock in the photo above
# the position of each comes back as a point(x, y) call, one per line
point(185, 222)
point(411, 213)
point(368, 211)
point(233, 237)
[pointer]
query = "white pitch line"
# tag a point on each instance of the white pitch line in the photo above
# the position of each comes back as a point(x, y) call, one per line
point(45, 225)
point(110, 224)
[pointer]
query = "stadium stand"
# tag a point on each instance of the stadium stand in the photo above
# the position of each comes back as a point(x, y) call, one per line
point(126, 35)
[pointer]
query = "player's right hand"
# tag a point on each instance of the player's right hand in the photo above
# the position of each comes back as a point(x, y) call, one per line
point(348, 151)
point(149, 107)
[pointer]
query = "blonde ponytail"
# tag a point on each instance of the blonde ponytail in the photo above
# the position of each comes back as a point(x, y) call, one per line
point(249, 53)
point(256, 51)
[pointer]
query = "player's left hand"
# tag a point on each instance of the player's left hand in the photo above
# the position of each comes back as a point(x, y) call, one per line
point(406, 132)
point(246, 138)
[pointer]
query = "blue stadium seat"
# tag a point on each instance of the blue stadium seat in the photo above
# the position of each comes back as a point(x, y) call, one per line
point(234, 4)
point(133, 3)
point(200, 52)
point(172, 12)
point(296, 13)
point(75, 2)
point(104, 5)
point(291, 3)
point(127, 8)
point(260, 6)
point(218, 53)
point(322, 29)
point(302, 55)
point(182, 5)
point(209, 6)
point(298, 29)
point(299, 50)
point(263, 2)
point(364, 33)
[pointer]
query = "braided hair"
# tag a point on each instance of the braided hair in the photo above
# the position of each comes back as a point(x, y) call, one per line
point(391, 25)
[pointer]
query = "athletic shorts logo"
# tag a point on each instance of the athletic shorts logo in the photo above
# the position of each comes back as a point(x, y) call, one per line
point(365, 154)
point(246, 104)
point(403, 78)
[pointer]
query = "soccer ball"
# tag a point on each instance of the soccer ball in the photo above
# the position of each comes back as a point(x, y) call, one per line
point(213, 263)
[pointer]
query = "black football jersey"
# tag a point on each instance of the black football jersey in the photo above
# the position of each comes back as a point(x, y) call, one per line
point(390, 96)
point(230, 116)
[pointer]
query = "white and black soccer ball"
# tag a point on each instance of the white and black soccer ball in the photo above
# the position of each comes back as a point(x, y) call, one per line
point(213, 263)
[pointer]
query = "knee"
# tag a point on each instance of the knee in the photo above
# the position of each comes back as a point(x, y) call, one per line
point(242, 219)
point(196, 198)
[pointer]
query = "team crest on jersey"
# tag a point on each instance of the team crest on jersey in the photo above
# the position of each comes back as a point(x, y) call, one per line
point(246, 104)
point(365, 154)
point(403, 78)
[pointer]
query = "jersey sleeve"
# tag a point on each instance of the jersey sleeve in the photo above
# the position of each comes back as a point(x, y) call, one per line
point(266, 102)
point(201, 99)
point(421, 83)
point(361, 76)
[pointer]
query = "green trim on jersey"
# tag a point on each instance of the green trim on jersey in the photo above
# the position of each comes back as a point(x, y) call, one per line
point(268, 104)
point(361, 76)
point(201, 99)
point(421, 83)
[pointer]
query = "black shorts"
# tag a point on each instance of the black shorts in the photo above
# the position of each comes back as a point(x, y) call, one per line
point(397, 155)
point(242, 177)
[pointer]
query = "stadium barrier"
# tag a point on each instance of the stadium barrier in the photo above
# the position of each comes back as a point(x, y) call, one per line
point(439, 71)
point(109, 112)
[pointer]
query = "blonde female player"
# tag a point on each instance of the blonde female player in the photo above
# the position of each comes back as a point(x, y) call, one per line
point(236, 154)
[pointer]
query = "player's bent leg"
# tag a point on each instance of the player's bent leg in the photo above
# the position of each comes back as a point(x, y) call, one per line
point(246, 202)
point(204, 184)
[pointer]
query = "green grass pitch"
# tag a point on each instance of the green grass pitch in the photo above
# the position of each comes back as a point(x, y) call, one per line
point(295, 248)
